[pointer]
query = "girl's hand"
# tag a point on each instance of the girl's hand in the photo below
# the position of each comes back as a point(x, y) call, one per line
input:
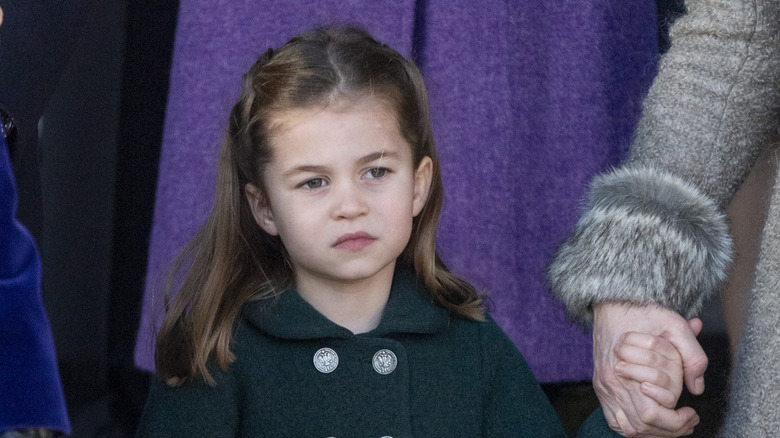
point(653, 362)
point(628, 410)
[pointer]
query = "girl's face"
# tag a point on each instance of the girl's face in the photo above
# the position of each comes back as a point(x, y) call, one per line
point(341, 191)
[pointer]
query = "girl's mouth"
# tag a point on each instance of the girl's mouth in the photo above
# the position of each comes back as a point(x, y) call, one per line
point(354, 241)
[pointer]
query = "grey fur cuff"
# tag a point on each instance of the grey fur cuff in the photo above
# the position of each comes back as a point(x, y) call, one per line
point(647, 237)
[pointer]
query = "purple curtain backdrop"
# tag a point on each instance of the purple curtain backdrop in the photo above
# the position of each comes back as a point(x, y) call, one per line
point(529, 101)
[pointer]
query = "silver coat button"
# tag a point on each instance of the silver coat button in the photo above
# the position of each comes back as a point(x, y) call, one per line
point(384, 361)
point(326, 360)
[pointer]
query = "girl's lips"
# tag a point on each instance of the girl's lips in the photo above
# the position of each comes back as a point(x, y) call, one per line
point(354, 241)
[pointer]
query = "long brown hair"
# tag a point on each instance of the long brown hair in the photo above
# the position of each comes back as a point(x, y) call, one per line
point(231, 260)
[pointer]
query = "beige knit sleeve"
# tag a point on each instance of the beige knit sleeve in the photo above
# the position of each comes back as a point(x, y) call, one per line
point(715, 101)
point(653, 230)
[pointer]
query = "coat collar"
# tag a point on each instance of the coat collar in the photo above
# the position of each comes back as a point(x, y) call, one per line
point(409, 310)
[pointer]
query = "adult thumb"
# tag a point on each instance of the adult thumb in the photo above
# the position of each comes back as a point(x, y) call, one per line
point(696, 325)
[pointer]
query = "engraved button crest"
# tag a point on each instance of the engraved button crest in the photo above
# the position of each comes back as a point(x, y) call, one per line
point(384, 361)
point(326, 360)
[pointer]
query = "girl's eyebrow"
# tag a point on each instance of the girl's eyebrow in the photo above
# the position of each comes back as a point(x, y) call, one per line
point(313, 168)
point(378, 156)
point(304, 168)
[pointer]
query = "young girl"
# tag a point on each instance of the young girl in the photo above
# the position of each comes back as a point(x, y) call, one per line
point(314, 303)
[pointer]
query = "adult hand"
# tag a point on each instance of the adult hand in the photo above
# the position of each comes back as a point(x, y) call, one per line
point(627, 409)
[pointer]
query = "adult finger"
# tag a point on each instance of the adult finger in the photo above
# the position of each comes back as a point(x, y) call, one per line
point(656, 420)
point(694, 360)
point(634, 343)
point(635, 415)
point(668, 389)
point(663, 396)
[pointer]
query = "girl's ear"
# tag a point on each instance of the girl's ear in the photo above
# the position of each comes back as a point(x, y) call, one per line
point(422, 184)
point(261, 209)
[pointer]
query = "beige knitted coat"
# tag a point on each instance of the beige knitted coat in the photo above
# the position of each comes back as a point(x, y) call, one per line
point(654, 229)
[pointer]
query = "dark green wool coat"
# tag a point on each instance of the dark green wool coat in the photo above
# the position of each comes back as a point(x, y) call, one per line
point(452, 378)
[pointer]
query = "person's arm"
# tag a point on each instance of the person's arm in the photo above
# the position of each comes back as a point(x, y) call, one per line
point(648, 251)
point(653, 233)
point(515, 405)
point(191, 409)
point(31, 396)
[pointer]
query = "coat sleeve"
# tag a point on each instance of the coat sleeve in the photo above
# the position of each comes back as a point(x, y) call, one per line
point(596, 427)
point(192, 409)
point(515, 405)
point(31, 394)
point(653, 230)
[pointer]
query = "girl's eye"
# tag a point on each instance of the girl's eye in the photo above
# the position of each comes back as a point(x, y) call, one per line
point(314, 183)
point(377, 172)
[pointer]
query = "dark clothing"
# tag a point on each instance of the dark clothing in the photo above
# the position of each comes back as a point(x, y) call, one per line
point(453, 378)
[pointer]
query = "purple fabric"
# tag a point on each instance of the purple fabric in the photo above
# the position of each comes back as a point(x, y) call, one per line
point(528, 101)
point(30, 390)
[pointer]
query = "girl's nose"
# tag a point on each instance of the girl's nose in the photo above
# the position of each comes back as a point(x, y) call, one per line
point(349, 202)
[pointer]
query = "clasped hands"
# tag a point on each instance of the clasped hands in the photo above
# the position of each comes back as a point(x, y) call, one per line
point(642, 355)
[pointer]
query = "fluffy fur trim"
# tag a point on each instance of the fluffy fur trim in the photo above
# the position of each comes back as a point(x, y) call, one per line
point(646, 237)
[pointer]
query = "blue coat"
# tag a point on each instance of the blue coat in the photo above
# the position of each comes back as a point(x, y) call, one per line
point(30, 389)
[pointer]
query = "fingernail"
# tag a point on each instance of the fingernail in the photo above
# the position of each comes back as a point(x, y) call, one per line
point(699, 384)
